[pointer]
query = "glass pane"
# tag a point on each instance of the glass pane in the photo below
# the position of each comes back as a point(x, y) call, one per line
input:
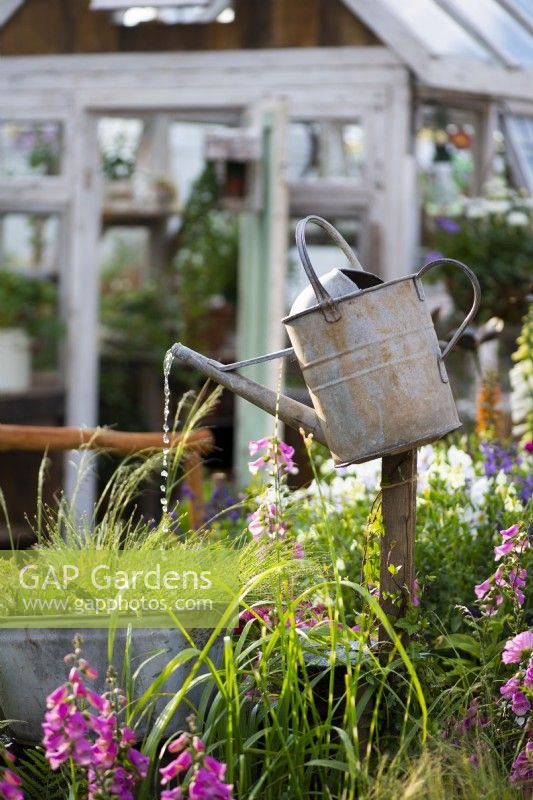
point(124, 256)
point(325, 149)
point(324, 254)
point(119, 140)
point(445, 149)
point(520, 129)
point(526, 7)
point(29, 243)
point(436, 29)
point(30, 148)
point(187, 159)
point(499, 27)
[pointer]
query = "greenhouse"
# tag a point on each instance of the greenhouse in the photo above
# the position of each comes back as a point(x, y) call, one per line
point(266, 399)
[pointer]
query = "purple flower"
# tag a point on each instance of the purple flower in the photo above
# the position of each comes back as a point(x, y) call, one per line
point(255, 466)
point(510, 532)
point(258, 444)
point(520, 597)
point(266, 521)
point(415, 598)
point(509, 689)
point(503, 549)
point(179, 744)
point(518, 578)
point(433, 255)
point(86, 669)
point(82, 752)
point(10, 786)
point(180, 764)
point(276, 452)
point(97, 743)
point(518, 648)
point(207, 786)
point(510, 542)
point(139, 761)
point(524, 488)
point(520, 704)
point(448, 225)
point(528, 677)
point(216, 767)
point(498, 458)
point(528, 447)
point(222, 504)
point(98, 702)
point(57, 696)
point(186, 493)
point(127, 736)
point(172, 794)
point(481, 589)
point(522, 769)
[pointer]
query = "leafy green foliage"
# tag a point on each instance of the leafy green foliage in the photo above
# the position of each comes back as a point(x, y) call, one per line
point(28, 303)
point(207, 256)
point(38, 779)
point(500, 252)
point(32, 304)
point(146, 318)
point(521, 377)
point(315, 707)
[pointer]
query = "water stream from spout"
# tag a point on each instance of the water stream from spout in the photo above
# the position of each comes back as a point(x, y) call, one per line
point(167, 366)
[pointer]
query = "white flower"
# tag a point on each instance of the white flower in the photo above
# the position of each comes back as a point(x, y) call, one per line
point(426, 457)
point(327, 467)
point(478, 492)
point(501, 480)
point(511, 502)
point(474, 519)
point(459, 460)
point(498, 206)
point(477, 209)
point(368, 473)
point(518, 218)
point(497, 188)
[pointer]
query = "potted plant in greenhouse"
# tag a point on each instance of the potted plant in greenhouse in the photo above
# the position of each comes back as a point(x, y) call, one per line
point(494, 235)
point(28, 316)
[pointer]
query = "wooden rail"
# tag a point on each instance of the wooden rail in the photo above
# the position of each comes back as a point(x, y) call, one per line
point(198, 442)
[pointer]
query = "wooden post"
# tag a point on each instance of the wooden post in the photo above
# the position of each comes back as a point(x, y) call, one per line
point(194, 478)
point(398, 483)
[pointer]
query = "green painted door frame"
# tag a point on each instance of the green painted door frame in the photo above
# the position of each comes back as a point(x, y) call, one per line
point(262, 273)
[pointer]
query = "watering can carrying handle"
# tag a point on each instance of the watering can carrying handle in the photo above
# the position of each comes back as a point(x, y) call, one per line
point(475, 305)
point(329, 307)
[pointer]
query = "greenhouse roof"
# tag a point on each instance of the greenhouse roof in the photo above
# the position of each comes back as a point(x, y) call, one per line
point(479, 46)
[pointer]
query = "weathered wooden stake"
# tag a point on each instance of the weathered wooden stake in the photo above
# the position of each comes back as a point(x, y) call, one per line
point(398, 483)
point(194, 478)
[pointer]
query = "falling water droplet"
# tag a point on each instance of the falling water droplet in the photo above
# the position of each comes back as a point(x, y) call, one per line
point(167, 366)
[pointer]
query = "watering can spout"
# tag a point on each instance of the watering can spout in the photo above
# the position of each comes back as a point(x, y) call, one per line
point(296, 415)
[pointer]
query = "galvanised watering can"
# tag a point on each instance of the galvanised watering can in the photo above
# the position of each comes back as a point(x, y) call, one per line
point(370, 359)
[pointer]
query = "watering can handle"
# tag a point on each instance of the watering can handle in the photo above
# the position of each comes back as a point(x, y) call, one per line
point(329, 307)
point(475, 305)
